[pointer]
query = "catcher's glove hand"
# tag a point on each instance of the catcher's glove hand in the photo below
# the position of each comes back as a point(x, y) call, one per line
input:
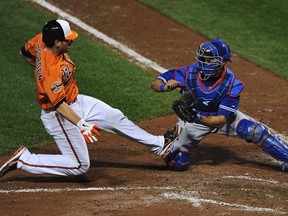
point(185, 107)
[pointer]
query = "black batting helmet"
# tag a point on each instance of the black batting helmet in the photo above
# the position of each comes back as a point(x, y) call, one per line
point(57, 30)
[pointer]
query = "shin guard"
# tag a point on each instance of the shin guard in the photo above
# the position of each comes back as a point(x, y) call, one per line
point(258, 134)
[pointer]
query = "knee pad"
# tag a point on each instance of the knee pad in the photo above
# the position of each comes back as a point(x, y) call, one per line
point(178, 161)
point(252, 131)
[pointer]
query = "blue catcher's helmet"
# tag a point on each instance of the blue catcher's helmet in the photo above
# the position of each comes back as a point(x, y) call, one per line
point(210, 56)
point(179, 161)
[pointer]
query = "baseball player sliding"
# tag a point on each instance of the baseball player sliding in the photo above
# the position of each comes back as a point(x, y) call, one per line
point(72, 119)
point(209, 104)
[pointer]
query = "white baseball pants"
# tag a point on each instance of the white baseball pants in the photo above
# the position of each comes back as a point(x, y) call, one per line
point(74, 158)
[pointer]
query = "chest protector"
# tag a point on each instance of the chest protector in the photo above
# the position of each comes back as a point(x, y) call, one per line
point(209, 98)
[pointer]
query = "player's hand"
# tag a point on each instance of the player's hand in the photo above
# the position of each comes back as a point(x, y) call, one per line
point(89, 131)
point(171, 85)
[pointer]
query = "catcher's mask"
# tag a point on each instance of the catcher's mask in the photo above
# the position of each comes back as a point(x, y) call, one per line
point(57, 30)
point(210, 57)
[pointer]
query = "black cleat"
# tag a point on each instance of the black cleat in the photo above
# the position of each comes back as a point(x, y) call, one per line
point(170, 136)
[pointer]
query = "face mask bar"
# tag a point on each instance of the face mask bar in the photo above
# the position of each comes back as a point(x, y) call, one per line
point(209, 61)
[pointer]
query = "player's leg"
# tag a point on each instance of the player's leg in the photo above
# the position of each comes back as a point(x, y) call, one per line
point(74, 157)
point(259, 134)
point(179, 156)
point(255, 132)
point(114, 121)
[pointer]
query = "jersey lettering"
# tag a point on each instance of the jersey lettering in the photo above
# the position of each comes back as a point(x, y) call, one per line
point(38, 62)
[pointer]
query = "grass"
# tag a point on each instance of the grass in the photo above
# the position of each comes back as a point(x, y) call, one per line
point(255, 29)
point(100, 73)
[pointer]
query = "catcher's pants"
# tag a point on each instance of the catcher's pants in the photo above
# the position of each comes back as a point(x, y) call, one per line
point(74, 157)
point(193, 133)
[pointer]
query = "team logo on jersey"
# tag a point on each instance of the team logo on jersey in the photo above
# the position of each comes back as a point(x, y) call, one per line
point(56, 87)
point(206, 102)
point(66, 74)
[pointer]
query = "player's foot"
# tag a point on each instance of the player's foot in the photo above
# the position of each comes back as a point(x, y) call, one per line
point(170, 136)
point(11, 164)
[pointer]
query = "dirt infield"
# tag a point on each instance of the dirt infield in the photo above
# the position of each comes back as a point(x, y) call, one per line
point(227, 177)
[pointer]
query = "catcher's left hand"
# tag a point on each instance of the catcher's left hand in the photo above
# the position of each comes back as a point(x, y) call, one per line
point(185, 107)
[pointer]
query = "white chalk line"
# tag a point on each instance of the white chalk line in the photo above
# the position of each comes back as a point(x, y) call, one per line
point(198, 201)
point(148, 63)
point(56, 190)
point(250, 178)
point(167, 195)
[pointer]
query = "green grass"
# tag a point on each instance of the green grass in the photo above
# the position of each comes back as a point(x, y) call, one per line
point(19, 112)
point(100, 73)
point(117, 82)
point(255, 29)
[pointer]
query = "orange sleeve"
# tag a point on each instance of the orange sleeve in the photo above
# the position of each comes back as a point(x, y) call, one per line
point(30, 45)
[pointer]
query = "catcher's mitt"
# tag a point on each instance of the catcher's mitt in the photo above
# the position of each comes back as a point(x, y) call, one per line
point(185, 106)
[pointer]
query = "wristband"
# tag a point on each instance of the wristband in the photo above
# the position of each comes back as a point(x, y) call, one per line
point(80, 124)
point(162, 87)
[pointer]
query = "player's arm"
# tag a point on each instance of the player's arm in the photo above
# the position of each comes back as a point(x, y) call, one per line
point(28, 57)
point(227, 110)
point(158, 85)
point(167, 81)
point(67, 112)
point(213, 121)
point(170, 80)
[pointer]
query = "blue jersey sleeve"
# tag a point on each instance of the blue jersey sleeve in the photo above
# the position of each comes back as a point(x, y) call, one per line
point(229, 106)
point(168, 75)
point(178, 74)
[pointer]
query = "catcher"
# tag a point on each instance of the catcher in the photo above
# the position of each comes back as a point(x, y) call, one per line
point(209, 104)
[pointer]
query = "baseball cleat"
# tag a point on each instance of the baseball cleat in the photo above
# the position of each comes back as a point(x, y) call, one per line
point(169, 137)
point(7, 167)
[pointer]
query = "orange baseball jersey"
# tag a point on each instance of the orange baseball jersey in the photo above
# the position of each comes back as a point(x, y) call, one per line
point(54, 75)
